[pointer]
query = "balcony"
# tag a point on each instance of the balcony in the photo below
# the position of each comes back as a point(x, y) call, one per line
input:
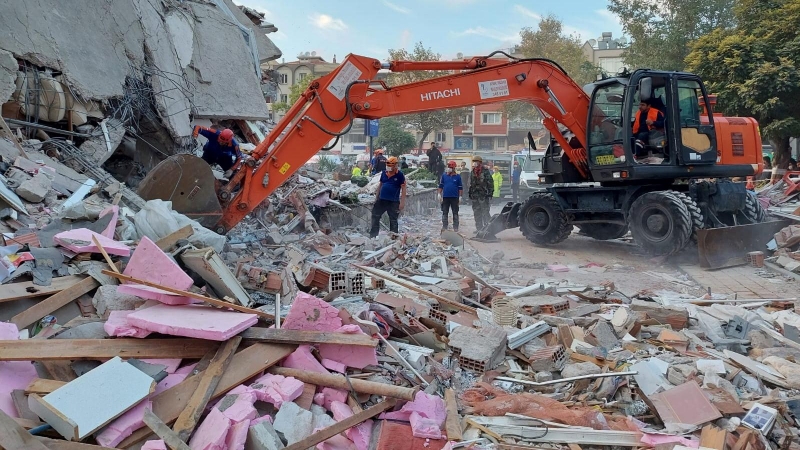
point(525, 125)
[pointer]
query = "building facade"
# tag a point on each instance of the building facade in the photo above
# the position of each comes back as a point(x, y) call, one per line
point(606, 52)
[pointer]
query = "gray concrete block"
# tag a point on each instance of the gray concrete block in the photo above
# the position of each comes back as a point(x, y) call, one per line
point(35, 189)
point(106, 299)
point(262, 436)
point(293, 422)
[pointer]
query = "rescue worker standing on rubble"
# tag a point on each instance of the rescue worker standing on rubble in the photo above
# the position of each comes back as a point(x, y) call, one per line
point(390, 198)
point(481, 188)
point(450, 191)
point(221, 148)
point(378, 163)
point(435, 164)
point(497, 179)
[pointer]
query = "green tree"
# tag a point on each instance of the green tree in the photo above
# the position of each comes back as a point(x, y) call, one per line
point(430, 121)
point(550, 41)
point(662, 31)
point(754, 68)
point(294, 94)
point(394, 138)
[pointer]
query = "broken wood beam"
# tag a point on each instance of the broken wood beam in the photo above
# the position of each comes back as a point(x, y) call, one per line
point(171, 239)
point(81, 349)
point(43, 387)
point(453, 422)
point(209, 300)
point(284, 336)
point(54, 302)
point(208, 383)
point(58, 444)
point(26, 289)
point(408, 285)
point(161, 430)
point(15, 437)
point(341, 382)
point(245, 364)
point(713, 437)
point(341, 426)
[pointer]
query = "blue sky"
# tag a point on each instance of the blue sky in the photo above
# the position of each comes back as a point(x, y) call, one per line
point(472, 27)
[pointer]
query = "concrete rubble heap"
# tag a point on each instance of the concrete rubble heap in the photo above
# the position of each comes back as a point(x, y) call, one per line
point(419, 334)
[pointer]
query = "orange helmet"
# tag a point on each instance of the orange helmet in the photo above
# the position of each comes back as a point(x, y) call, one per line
point(391, 161)
point(226, 135)
point(451, 164)
point(378, 151)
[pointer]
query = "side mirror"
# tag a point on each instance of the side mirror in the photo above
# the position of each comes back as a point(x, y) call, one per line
point(645, 89)
point(531, 142)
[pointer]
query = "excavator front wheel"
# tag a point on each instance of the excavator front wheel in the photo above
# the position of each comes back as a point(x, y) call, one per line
point(660, 223)
point(542, 220)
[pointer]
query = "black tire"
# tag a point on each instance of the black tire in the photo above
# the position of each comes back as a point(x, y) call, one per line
point(542, 220)
point(660, 223)
point(698, 221)
point(753, 210)
point(604, 231)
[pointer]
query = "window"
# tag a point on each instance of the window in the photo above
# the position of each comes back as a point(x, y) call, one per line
point(491, 118)
point(501, 142)
point(301, 76)
point(284, 98)
point(485, 143)
point(283, 78)
point(688, 94)
point(441, 137)
point(606, 134)
point(467, 120)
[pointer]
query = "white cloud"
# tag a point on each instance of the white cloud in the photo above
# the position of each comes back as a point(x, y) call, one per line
point(326, 22)
point(503, 36)
point(405, 39)
point(397, 8)
point(278, 36)
point(527, 12)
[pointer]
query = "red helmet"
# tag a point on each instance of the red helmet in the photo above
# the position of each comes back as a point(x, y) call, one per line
point(226, 135)
point(451, 164)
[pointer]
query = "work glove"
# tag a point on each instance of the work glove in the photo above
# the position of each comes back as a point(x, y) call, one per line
point(439, 196)
point(196, 131)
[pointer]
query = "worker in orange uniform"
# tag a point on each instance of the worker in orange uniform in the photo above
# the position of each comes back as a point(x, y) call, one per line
point(390, 198)
point(647, 119)
point(221, 148)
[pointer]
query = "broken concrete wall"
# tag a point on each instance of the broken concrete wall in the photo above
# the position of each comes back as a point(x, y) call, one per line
point(97, 45)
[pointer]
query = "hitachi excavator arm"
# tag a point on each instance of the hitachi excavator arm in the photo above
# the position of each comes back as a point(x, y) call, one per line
point(327, 109)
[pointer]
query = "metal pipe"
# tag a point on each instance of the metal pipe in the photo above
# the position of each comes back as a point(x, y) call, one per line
point(566, 380)
point(46, 128)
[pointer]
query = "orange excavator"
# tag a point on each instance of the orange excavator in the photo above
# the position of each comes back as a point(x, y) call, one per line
point(597, 175)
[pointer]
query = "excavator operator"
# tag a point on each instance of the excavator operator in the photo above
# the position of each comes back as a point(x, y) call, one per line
point(647, 119)
point(221, 148)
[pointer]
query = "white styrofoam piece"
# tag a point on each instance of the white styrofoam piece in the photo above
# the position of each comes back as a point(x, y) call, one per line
point(89, 402)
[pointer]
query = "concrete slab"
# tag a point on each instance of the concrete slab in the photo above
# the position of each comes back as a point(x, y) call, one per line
point(192, 321)
point(86, 404)
point(293, 422)
point(80, 241)
point(262, 436)
point(210, 266)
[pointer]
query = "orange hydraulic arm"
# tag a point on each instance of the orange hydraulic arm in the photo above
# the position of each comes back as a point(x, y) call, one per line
point(327, 108)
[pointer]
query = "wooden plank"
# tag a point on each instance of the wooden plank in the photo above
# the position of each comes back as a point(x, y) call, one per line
point(26, 289)
point(57, 444)
point(162, 430)
point(15, 437)
point(208, 383)
point(713, 437)
point(43, 387)
point(171, 239)
point(284, 336)
point(27, 423)
point(79, 349)
point(209, 300)
point(340, 382)
point(21, 403)
point(453, 422)
point(105, 254)
point(59, 370)
point(54, 302)
point(249, 362)
point(341, 426)
point(6, 132)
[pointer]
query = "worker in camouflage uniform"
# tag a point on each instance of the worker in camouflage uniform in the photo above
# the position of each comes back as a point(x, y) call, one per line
point(481, 189)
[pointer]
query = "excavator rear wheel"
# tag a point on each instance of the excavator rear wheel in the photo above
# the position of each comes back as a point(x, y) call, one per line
point(698, 221)
point(542, 220)
point(753, 210)
point(660, 223)
point(604, 231)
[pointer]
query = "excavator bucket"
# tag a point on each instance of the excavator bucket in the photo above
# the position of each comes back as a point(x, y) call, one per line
point(508, 218)
point(186, 181)
point(728, 246)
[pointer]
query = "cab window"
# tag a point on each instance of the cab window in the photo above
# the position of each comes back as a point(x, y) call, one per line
point(605, 137)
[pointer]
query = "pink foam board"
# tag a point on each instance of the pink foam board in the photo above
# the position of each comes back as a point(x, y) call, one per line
point(277, 389)
point(211, 433)
point(238, 407)
point(112, 225)
point(151, 293)
point(359, 434)
point(422, 427)
point(337, 442)
point(428, 406)
point(171, 380)
point(170, 364)
point(237, 435)
point(349, 355)
point(258, 420)
point(192, 321)
point(312, 314)
point(303, 359)
point(149, 263)
point(327, 396)
point(79, 240)
point(334, 365)
point(118, 325)
point(154, 445)
point(123, 426)
point(13, 374)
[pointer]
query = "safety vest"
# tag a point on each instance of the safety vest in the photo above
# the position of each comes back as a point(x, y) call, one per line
point(652, 114)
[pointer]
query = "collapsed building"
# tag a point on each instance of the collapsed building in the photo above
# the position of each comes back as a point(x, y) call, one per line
point(126, 79)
